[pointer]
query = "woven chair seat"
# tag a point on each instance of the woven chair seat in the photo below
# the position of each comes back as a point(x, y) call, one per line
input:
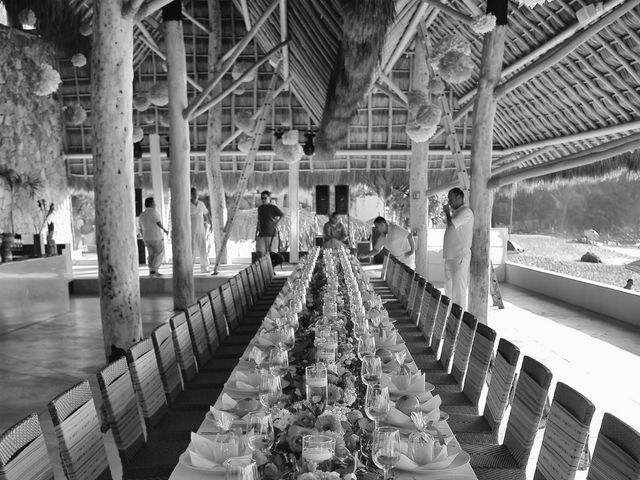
point(450, 387)
point(490, 456)
point(458, 402)
point(463, 424)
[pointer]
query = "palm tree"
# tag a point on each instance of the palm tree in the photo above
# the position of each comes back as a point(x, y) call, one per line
point(17, 182)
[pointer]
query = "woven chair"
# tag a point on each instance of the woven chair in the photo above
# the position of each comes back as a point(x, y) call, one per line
point(406, 324)
point(454, 381)
point(121, 409)
point(429, 312)
point(509, 460)
point(167, 362)
point(427, 358)
point(23, 452)
point(184, 348)
point(483, 429)
point(415, 297)
point(77, 429)
point(617, 451)
point(248, 289)
point(405, 285)
point(233, 317)
point(565, 435)
point(467, 400)
point(198, 334)
point(209, 322)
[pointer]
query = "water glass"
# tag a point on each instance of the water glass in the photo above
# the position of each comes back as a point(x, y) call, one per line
point(326, 352)
point(319, 449)
point(270, 390)
point(366, 346)
point(376, 403)
point(260, 434)
point(316, 385)
point(240, 468)
point(371, 369)
point(385, 448)
point(286, 337)
point(279, 361)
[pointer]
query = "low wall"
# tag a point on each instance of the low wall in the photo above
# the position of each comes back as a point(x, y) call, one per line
point(607, 300)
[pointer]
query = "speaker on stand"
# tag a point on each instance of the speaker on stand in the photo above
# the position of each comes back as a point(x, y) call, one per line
point(323, 204)
point(342, 205)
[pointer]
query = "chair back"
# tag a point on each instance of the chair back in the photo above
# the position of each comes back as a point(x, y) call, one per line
point(481, 352)
point(199, 340)
point(451, 336)
point(502, 377)
point(565, 435)
point(428, 310)
point(147, 384)
point(229, 306)
point(617, 451)
point(209, 322)
point(249, 284)
point(244, 297)
point(77, 429)
point(396, 278)
point(526, 411)
point(268, 269)
point(218, 314)
point(384, 273)
point(462, 350)
point(167, 362)
point(405, 285)
point(415, 297)
point(184, 348)
point(120, 406)
point(441, 320)
point(23, 452)
point(256, 269)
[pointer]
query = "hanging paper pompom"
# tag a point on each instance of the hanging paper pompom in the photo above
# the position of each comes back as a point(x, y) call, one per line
point(47, 80)
point(420, 134)
point(78, 60)
point(483, 23)
point(27, 18)
point(531, 3)
point(86, 29)
point(291, 137)
point(456, 67)
point(159, 94)
point(429, 115)
point(244, 143)
point(239, 68)
point(141, 102)
point(285, 123)
point(147, 118)
point(75, 114)
point(239, 91)
point(436, 86)
point(245, 121)
point(164, 119)
point(288, 153)
point(451, 43)
point(138, 134)
point(416, 99)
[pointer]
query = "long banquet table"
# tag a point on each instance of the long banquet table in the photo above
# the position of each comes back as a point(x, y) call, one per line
point(463, 472)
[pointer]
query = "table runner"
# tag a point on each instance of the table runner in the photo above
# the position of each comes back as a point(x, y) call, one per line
point(314, 298)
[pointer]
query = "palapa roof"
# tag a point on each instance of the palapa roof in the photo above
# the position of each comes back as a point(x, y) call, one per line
point(581, 102)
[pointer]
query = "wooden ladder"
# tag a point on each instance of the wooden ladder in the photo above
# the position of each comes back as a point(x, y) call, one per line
point(494, 289)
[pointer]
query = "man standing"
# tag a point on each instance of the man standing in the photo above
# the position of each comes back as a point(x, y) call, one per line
point(199, 215)
point(334, 232)
point(457, 247)
point(152, 228)
point(396, 239)
point(268, 217)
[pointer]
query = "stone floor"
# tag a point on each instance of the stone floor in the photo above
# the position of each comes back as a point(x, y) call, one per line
point(594, 354)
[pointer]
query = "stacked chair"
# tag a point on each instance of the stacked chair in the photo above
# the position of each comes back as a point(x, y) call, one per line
point(23, 453)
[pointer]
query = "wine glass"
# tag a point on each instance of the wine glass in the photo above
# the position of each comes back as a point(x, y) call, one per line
point(286, 337)
point(279, 361)
point(270, 389)
point(260, 434)
point(366, 345)
point(385, 448)
point(371, 369)
point(239, 468)
point(376, 403)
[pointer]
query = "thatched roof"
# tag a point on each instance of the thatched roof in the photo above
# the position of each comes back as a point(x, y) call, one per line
point(587, 97)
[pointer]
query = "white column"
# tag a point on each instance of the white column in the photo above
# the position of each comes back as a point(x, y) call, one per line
point(156, 183)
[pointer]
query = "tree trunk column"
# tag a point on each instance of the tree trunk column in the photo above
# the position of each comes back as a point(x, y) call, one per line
point(183, 290)
point(418, 180)
point(481, 197)
point(112, 93)
point(214, 135)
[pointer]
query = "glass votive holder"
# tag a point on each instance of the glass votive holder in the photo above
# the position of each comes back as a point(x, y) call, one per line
point(316, 384)
point(326, 353)
point(319, 449)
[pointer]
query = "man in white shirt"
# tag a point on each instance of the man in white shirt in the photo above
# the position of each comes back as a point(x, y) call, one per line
point(152, 228)
point(199, 215)
point(457, 247)
point(396, 239)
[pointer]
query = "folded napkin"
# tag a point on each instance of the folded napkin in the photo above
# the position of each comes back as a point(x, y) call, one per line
point(221, 418)
point(432, 457)
point(205, 453)
point(399, 384)
point(385, 338)
point(430, 412)
point(226, 403)
point(266, 339)
point(247, 381)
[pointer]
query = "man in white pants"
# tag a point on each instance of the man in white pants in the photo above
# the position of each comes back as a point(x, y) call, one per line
point(199, 215)
point(457, 247)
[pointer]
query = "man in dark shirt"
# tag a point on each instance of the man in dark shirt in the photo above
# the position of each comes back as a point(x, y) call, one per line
point(268, 217)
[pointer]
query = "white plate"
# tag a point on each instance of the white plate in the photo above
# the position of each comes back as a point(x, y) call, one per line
point(185, 459)
point(462, 458)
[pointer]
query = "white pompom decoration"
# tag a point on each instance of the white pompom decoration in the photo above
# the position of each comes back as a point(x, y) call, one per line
point(239, 68)
point(86, 29)
point(27, 17)
point(455, 67)
point(141, 102)
point(239, 91)
point(147, 118)
point(436, 86)
point(291, 137)
point(288, 153)
point(75, 114)
point(245, 121)
point(244, 143)
point(138, 134)
point(483, 23)
point(450, 43)
point(429, 115)
point(420, 134)
point(416, 99)
point(78, 60)
point(531, 3)
point(159, 94)
point(164, 119)
point(47, 80)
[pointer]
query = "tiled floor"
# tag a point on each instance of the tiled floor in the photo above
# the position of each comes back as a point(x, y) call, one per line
point(597, 356)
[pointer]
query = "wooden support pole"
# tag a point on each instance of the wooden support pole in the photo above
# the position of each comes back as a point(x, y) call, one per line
point(111, 94)
point(481, 197)
point(179, 161)
point(519, 161)
point(283, 37)
point(452, 12)
point(230, 57)
point(150, 8)
point(294, 231)
point(579, 159)
point(156, 181)
point(419, 179)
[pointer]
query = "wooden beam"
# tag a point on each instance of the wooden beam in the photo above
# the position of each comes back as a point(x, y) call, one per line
point(130, 8)
point(579, 159)
point(407, 38)
point(237, 49)
point(391, 94)
point(452, 12)
point(245, 14)
point(195, 22)
point(519, 161)
point(195, 108)
point(231, 138)
point(283, 37)
point(149, 8)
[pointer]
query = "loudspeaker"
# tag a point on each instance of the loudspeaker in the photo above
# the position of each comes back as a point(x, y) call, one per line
point(322, 199)
point(342, 199)
point(138, 194)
